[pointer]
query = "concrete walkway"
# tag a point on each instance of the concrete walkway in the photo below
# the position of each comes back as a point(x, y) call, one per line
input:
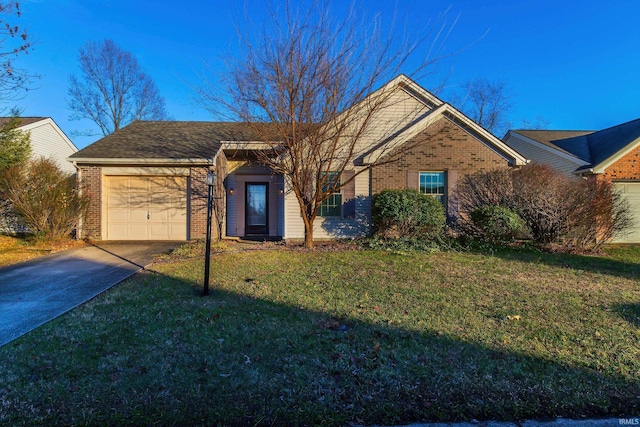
point(36, 291)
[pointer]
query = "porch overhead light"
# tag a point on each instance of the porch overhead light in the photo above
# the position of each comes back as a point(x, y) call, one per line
point(211, 178)
point(232, 191)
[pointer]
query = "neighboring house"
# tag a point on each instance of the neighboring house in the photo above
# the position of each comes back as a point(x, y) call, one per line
point(47, 140)
point(611, 154)
point(147, 181)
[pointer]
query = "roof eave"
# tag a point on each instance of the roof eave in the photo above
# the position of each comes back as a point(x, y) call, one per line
point(139, 161)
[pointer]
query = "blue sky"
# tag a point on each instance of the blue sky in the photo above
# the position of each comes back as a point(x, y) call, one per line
point(573, 63)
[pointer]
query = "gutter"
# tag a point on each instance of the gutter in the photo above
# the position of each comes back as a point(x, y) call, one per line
point(138, 161)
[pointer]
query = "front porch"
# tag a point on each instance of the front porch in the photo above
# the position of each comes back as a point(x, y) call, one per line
point(254, 201)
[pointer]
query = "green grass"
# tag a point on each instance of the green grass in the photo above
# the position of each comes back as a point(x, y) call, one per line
point(14, 250)
point(329, 338)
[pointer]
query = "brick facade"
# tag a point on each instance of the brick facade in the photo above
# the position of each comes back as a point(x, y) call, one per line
point(91, 181)
point(443, 146)
point(627, 168)
point(198, 202)
point(198, 193)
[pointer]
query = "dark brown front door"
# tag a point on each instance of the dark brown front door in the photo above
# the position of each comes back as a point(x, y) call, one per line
point(256, 209)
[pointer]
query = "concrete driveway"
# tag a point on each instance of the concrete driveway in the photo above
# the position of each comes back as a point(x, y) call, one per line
point(36, 291)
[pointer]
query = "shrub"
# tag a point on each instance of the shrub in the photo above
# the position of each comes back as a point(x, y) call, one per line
point(497, 224)
point(479, 190)
point(603, 217)
point(555, 208)
point(546, 200)
point(492, 188)
point(407, 213)
point(45, 198)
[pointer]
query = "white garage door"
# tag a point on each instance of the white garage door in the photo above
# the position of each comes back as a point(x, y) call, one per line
point(146, 208)
point(631, 190)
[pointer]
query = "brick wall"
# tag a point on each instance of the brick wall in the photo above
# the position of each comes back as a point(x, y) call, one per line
point(443, 146)
point(627, 168)
point(198, 202)
point(91, 181)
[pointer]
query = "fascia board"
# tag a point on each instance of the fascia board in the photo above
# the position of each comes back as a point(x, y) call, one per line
point(139, 161)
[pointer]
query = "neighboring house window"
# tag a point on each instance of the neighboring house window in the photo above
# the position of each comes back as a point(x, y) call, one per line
point(333, 205)
point(432, 183)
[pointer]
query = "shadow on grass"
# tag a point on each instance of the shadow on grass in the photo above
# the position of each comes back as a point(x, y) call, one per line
point(604, 264)
point(629, 312)
point(154, 351)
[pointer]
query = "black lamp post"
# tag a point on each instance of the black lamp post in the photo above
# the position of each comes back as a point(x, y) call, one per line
point(211, 179)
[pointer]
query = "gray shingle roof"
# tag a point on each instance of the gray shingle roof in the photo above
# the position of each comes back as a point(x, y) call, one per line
point(593, 147)
point(547, 137)
point(607, 142)
point(166, 140)
point(23, 120)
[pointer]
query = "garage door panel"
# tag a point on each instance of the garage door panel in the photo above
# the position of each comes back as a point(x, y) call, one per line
point(159, 215)
point(119, 215)
point(138, 215)
point(177, 216)
point(159, 231)
point(118, 184)
point(631, 191)
point(118, 229)
point(146, 208)
point(160, 201)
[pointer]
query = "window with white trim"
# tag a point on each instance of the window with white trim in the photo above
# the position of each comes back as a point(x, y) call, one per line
point(333, 205)
point(432, 183)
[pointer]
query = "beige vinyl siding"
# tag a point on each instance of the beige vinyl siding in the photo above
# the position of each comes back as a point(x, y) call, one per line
point(537, 153)
point(631, 190)
point(49, 142)
point(331, 228)
point(397, 113)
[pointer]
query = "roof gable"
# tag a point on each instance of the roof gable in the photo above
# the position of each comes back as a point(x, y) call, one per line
point(608, 145)
point(598, 149)
point(550, 137)
point(438, 111)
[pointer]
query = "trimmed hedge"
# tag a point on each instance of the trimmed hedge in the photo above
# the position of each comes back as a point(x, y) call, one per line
point(407, 213)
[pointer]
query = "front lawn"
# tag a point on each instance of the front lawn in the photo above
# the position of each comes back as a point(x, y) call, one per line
point(331, 338)
point(14, 250)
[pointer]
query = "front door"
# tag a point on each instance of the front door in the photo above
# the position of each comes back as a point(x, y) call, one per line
point(256, 211)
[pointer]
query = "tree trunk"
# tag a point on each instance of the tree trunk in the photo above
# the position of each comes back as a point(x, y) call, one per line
point(308, 233)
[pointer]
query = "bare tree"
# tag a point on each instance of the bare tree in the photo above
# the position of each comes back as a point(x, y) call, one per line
point(486, 103)
point(310, 89)
point(113, 90)
point(14, 41)
point(537, 123)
